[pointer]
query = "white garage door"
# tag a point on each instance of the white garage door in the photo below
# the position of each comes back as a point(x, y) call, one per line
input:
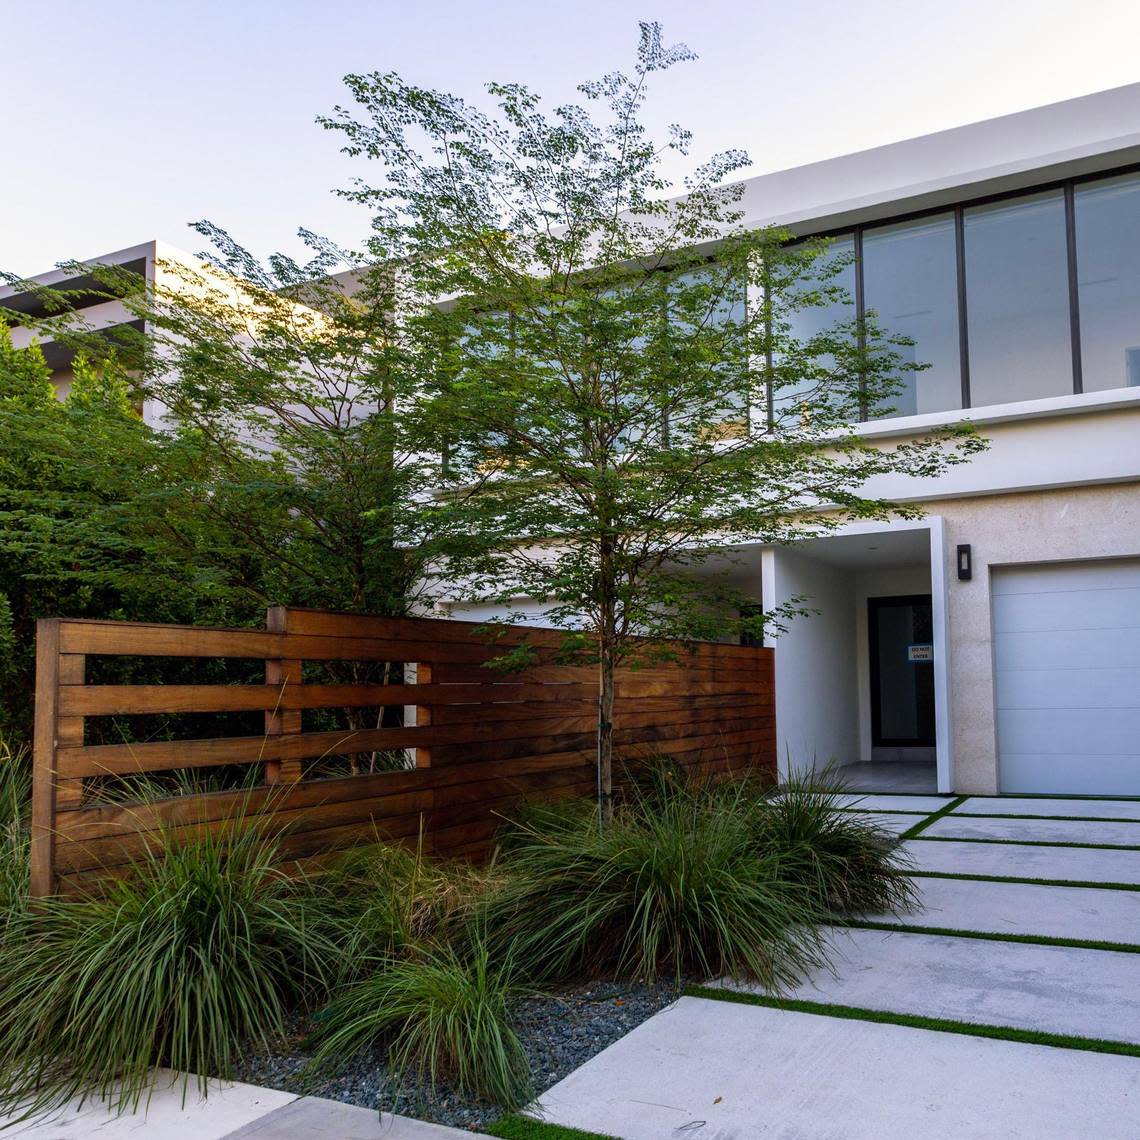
point(1067, 658)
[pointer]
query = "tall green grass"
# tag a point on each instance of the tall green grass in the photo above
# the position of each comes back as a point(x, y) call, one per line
point(379, 901)
point(15, 806)
point(848, 863)
point(198, 953)
point(675, 885)
point(445, 1016)
point(204, 948)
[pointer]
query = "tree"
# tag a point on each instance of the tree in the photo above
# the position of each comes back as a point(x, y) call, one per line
point(88, 522)
point(286, 378)
point(620, 384)
point(278, 472)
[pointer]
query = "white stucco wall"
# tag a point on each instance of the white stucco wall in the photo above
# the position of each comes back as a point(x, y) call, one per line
point(1005, 530)
point(817, 716)
point(1069, 441)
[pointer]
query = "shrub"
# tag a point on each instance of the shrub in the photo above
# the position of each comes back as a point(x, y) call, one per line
point(674, 884)
point(848, 863)
point(445, 1017)
point(376, 901)
point(193, 955)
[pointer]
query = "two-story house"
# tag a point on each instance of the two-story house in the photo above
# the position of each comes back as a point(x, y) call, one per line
point(993, 646)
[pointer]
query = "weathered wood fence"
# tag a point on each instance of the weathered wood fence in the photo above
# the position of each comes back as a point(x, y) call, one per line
point(476, 740)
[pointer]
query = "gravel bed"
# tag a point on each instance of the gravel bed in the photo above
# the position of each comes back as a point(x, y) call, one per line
point(559, 1033)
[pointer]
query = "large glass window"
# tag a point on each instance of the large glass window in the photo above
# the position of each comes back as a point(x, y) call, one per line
point(1017, 300)
point(834, 275)
point(1108, 281)
point(910, 280)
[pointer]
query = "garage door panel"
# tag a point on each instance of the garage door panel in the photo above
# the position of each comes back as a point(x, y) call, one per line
point(1060, 773)
point(1095, 731)
point(1070, 649)
point(1067, 677)
point(1098, 574)
point(1068, 610)
point(1082, 688)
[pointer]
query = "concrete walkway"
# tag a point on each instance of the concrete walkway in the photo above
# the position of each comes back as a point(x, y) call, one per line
point(721, 1070)
point(230, 1112)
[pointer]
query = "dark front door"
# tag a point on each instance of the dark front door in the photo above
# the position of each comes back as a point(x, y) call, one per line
point(901, 639)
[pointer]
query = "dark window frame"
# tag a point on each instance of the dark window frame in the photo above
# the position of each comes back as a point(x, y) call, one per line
point(1068, 188)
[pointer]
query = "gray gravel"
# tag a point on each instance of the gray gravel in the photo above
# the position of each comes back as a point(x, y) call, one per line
point(559, 1033)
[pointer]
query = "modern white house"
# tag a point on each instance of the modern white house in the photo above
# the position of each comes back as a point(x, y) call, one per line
point(993, 646)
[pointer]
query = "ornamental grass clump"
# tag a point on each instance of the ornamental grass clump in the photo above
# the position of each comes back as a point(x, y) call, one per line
point(378, 901)
point(445, 1015)
point(848, 863)
point(15, 805)
point(191, 958)
point(673, 885)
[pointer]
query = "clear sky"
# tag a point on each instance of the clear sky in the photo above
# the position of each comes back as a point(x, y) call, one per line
point(124, 120)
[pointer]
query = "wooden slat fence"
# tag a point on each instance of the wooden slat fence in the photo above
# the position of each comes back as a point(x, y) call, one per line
point(476, 740)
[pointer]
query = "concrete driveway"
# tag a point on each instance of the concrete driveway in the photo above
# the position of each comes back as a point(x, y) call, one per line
point(1007, 1006)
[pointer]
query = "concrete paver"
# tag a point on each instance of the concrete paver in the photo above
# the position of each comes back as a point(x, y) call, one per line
point(1031, 805)
point(895, 822)
point(1088, 913)
point(727, 1071)
point(1036, 830)
point(871, 802)
point(1079, 864)
point(730, 1072)
point(165, 1117)
point(1054, 989)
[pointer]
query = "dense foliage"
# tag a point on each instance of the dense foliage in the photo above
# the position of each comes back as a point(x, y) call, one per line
point(271, 467)
point(95, 520)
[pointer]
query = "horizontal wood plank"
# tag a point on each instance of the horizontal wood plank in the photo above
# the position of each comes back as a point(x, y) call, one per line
point(494, 739)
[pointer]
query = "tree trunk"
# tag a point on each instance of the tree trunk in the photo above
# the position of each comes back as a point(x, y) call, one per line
point(605, 737)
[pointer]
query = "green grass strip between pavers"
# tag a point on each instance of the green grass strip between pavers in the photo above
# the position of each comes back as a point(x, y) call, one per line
point(525, 1128)
point(993, 936)
point(916, 1021)
point(925, 822)
point(1025, 880)
point(1022, 842)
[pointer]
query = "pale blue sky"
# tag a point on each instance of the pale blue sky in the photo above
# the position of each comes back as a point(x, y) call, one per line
point(126, 119)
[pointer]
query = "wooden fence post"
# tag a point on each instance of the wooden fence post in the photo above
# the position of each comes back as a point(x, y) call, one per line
point(281, 672)
point(43, 758)
point(421, 757)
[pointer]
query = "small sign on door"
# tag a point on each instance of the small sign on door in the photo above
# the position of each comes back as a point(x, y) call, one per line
point(917, 653)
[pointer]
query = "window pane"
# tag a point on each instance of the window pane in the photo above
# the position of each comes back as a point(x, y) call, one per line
point(910, 279)
point(1108, 282)
point(816, 320)
point(1017, 300)
point(703, 304)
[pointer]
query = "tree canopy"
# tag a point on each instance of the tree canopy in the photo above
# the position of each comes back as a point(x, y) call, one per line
point(625, 387)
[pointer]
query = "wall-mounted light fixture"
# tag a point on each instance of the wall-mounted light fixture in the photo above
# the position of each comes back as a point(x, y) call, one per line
point(965, 562)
